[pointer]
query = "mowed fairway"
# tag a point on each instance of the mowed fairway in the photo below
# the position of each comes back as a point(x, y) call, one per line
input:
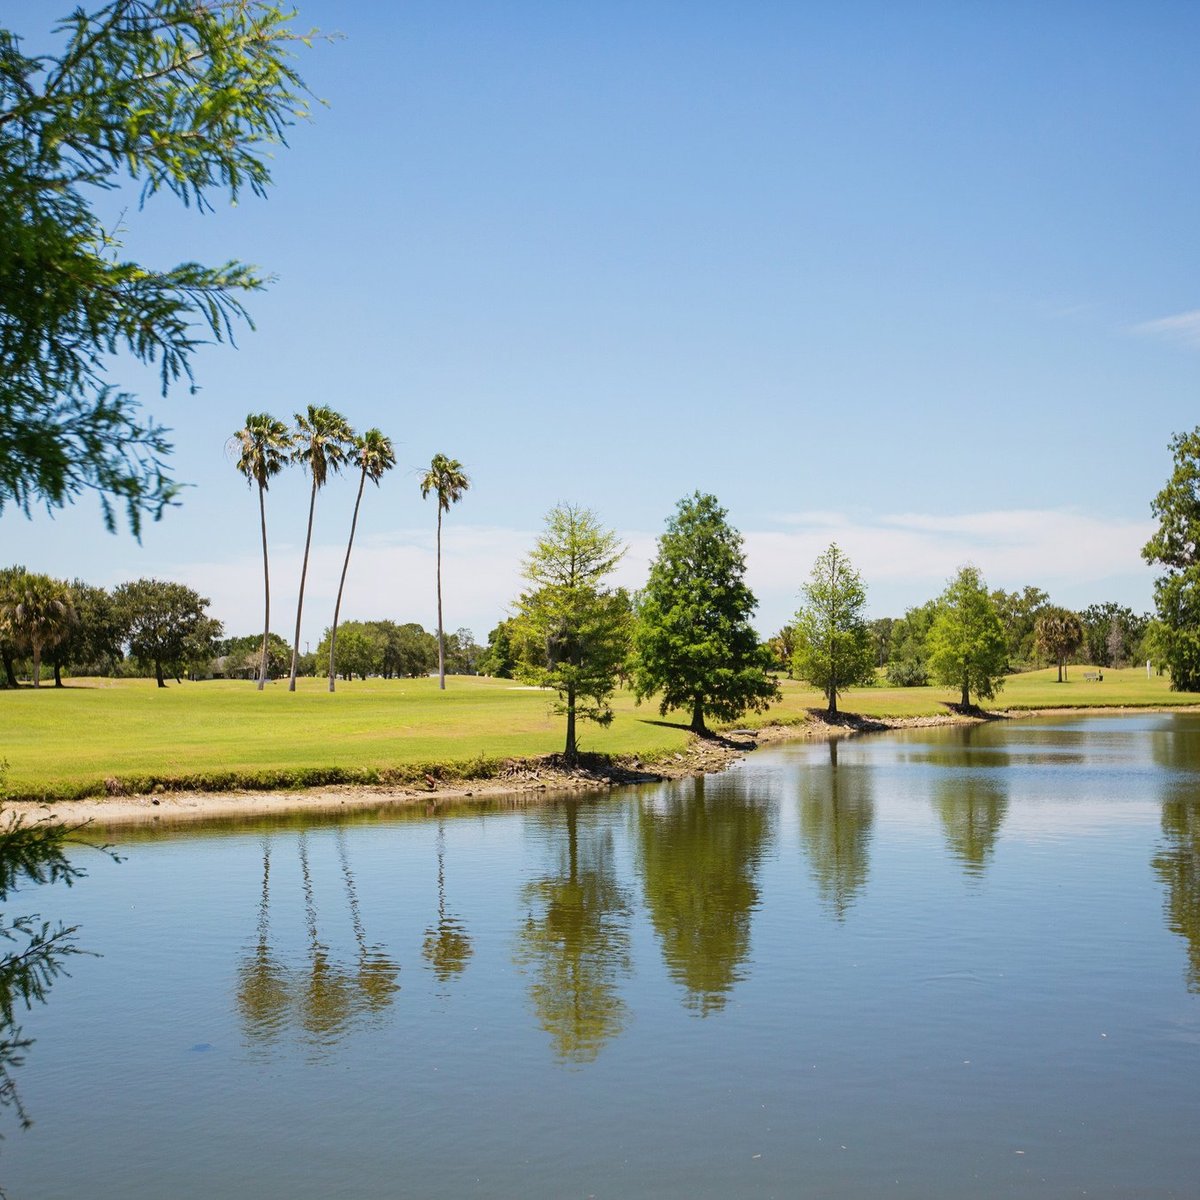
point(68, 742)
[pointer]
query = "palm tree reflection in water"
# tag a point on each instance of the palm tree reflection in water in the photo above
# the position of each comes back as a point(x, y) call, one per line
point(320, 1002)
point(447, 946)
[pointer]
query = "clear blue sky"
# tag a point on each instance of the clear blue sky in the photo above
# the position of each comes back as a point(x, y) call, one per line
point(921, 277)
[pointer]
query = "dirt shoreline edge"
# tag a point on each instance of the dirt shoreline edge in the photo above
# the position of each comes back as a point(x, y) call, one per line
point(527, 780)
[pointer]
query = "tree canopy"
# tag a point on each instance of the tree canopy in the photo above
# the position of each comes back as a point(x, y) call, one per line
point(179, 97)
point(571, 625)
point(1176, 545)
point(1057, 635)
point(967, 648)
point(693, 642)
point(167, 624)
point(834, 648)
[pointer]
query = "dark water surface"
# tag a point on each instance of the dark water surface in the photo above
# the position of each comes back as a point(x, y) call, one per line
point(943, 963)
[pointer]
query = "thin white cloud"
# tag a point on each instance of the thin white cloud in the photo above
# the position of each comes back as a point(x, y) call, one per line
point(1182, 327)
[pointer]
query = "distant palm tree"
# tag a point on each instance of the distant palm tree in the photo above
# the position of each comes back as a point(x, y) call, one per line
point(322, 443)
point(37, 611)
point(446, 477)
point(374, 454)
point(264, 446)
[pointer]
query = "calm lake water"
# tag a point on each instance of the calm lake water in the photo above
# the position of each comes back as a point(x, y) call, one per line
point(959, 962)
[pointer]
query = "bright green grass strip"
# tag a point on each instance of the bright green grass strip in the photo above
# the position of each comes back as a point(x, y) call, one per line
point(222, 734)
point(1029, 690)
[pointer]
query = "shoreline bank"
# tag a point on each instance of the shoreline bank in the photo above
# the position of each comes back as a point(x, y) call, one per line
point(524, 780)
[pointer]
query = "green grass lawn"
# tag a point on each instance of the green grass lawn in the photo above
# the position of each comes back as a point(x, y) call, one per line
point(68, 742)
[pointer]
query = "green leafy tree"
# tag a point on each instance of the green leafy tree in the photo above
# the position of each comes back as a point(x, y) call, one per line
point(967, 648)
point(573, 628)
point(447, 478)
point(361, 650)
point(499, 660)
point(834, 649)
point(1112, 633)
point(462, 653)
point(321, 443)
point(93, 643)
point(1057, 635)
point(1018, 612)
point(908, 657)
point(407, 650)
point(373, 453)
point(36, 611)
point(164, 624)
point(1176, 546)
point(881, 639)
point(693, 641)
point(783, 649)
point(243, 656)
point(264, 447)
point(180, 97)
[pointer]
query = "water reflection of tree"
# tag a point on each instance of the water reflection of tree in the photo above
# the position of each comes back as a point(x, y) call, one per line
point(699, 847)
point(326, 996)
point(1177, 864)
point(447, 946)
point(972, 809)
point(837, 811)
point(576, 939)
point(35, 952)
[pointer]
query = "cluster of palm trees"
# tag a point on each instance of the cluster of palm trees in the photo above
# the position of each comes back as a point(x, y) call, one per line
point(322, 443)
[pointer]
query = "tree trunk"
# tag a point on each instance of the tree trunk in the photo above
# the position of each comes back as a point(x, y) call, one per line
point(58, 675)
point(262, 666)
point(569, 753)
point(158, 674)
point(966, 694)
point(37, 663)
point(337, 608)
point(312, 504)
point(1060, 669)
point(698, 725)
point(832, 710)
point(442, 636)
point(10, 671)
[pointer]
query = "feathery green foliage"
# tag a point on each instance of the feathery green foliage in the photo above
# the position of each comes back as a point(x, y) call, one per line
point(967, 648)
point(1057, 635)
point(573, 628)
point(182, 97)
point(1176, 545)
point(833, 641)
point(693, 643)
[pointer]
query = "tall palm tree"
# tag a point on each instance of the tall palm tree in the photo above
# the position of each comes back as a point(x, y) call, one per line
point(264, 446)
point(322, 444)
point(37, 611)
point(446, 477)
point(374, 454)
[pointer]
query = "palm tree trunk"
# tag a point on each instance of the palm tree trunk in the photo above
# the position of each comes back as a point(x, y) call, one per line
point(37, 662)
point(1060, 667)
point(58, 675)
point(441, 634)
point(312, 505)
point(10, 670)
point(262, 666)
point(337, 608)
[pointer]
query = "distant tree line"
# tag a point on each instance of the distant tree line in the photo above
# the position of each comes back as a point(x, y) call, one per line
point(159, 628)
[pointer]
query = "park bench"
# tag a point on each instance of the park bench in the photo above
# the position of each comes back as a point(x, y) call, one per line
point(1093, 677)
